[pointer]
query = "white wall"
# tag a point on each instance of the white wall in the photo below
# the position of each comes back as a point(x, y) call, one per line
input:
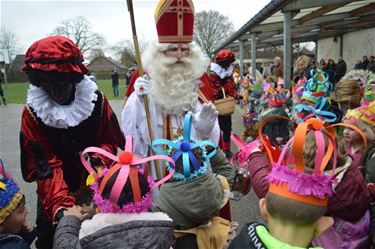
point(355, 45)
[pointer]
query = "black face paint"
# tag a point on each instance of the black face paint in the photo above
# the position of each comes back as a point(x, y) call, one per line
point(62, 92)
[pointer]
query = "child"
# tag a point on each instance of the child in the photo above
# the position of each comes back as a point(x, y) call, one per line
point(15, 231)
point(195, 195)
point(293, 208)
point(123, 196)
point(362, 118)
point(349, 205)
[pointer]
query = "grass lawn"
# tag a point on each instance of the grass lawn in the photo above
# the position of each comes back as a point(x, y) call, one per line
point(16, 92)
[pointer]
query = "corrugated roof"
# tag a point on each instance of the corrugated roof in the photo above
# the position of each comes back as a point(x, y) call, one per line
point(312, 20)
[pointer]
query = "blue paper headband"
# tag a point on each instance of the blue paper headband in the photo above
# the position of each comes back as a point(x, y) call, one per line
point(316, 111)
point(314, 86)
point(184, 146)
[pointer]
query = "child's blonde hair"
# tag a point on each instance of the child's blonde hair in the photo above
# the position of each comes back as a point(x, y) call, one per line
point(348, 91)
point(303, 58)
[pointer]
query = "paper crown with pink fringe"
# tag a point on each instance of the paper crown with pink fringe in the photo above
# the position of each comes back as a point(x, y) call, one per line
point(366, 113)
point(288, 178)
point(127, 168)
point(292, 182)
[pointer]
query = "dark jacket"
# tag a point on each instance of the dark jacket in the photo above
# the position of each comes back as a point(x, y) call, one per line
point(340, 70)
point(350, 201)
point(10, 241)
point(115, 231)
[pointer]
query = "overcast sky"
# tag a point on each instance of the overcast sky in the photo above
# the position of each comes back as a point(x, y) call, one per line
point(33, 20)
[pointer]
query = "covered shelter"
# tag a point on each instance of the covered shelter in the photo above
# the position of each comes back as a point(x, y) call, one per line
point(284, 22)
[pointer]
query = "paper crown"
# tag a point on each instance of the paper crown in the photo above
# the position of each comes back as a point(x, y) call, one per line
point(183, 148)
point(54, 53)
point(244, 149)
point(319, 110)
point(10, 195)
point(292, 182)
point(369, 88)
point(365, 113)
point(288, 178)
point(249, 118)
point(175, 21)
point(127, 169)
point(316, 88)
point(276, 99)
point(225, 56)
point(298, 88)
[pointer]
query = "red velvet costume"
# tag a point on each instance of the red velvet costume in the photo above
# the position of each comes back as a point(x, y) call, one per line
point(226, 83)
point(50, 156)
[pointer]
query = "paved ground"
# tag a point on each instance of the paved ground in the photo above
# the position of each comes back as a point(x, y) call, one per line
point(243, 211)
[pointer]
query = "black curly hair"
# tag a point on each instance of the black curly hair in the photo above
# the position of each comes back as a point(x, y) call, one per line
point(36, 77)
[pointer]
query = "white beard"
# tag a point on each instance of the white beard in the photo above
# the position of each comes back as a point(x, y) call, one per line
point(174, 83)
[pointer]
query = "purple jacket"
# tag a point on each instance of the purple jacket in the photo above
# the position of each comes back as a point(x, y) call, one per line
point(350, 202)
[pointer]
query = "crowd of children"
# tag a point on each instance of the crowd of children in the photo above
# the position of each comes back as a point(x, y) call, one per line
point(307, 152)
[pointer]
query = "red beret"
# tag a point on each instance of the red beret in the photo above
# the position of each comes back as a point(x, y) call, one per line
point(55, 53)
point(225, 55)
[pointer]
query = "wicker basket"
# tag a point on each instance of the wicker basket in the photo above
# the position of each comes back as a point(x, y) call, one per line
point(226, 105)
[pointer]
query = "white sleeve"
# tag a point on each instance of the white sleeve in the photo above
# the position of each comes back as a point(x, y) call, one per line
point(134, 123)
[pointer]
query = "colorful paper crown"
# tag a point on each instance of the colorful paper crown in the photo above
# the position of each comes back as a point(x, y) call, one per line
point(365, 113)
point(276, 100)
point(54, 53)
point(369, 88)
point(315, 88)
point(225, 55)
point(127, 169)
point(304, 112)
point(183, 148)
point(288, 178)
point(175, 21)
point(249, 118)
point(298, 88)
point(244, 149)
point(294, 183)
point(10, 195)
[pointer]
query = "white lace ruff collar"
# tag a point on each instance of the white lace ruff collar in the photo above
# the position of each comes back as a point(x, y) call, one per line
point(64, 116)
point(221, 72)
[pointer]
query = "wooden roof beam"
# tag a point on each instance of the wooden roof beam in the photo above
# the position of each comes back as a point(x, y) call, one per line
point(363, 9)
point(319, 12)
point(304, 4)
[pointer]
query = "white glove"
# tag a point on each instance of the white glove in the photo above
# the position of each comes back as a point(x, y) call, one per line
point(205, 122)
point(142, 85)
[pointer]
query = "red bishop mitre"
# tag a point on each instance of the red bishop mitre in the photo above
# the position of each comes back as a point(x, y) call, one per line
point(175, 21)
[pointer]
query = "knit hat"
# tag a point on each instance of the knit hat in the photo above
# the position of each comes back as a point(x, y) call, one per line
point(125, 172)
point(186, 150)
point(175, 21)
point(54, 53)
point(10, 194)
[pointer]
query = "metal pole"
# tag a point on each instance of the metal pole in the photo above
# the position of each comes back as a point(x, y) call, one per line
point(253, 55)
point(287, 48)
point(241, 60)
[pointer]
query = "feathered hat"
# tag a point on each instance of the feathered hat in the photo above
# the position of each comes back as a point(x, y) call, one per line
point(186, 150)
point(10, 194)
point(125, 172)
point(54, 53)
point(175, 21)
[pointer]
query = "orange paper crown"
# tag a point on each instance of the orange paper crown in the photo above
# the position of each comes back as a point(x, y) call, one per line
point(175, 21)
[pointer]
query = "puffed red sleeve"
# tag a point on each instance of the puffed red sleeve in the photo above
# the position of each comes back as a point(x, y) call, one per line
point(259, 168)
point(230, 88)
point(39, 163)
point(110, 135)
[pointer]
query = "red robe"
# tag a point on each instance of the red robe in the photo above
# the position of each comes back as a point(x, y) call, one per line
point(50, 156)
point(218, 84)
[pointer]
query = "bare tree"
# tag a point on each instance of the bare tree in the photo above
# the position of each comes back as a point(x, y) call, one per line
point(79, 30)
point(211, 29)
point(9, 41)
point(95, 53)
point(125, 51)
